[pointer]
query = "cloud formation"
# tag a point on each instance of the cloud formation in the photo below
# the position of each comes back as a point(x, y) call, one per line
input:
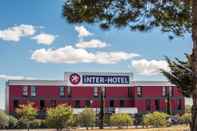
point(13, 77)
point(71, 55)
point(44, 38)
point(149, 67)
point(15, 33)
point(82, 31)
point(94, 43)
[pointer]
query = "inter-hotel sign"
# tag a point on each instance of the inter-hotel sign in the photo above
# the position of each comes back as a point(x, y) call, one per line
point(98, 79)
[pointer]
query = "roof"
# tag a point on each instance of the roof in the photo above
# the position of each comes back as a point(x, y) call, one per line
point(61, 82)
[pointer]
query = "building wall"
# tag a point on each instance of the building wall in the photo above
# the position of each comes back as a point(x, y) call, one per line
point(50, 93)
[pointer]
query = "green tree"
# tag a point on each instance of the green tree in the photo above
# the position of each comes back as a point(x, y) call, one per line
point(59, 117)
point(121, 119)
point(180, 74)
point(87, 118)
point(26, 114)
point(155, 119)
point(4, 119)
point(178, 17)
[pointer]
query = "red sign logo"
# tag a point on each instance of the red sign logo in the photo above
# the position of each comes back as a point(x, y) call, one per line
point(75, 78)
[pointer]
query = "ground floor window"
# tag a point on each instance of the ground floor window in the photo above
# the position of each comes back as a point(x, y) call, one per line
point(77, 103)
point(122, 103)
point(148, 105)
point(157, 105)
point(42, 105)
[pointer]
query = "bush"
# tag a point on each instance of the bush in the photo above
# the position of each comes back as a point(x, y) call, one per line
point(12, 122)
point(4, 120)
point(121, 119)
point(59, 117)
point(35, 123)
point(74, 122)
point(185, 118)
point(87, 118)
point(21, 124)
point(155, 119)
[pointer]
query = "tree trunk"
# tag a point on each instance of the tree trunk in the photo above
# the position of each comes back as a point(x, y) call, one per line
point(194, 66)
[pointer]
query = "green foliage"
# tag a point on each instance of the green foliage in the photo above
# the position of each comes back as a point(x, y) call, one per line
point(35, 124)
point(4, 119)
point(180, 74)
point(87, 118)
point(12, 122)
point(59, 117)
point(186, 118)
point(121, 119)
point(141, 15)
point(74, 122)
point(155, 119)
point(26, 114)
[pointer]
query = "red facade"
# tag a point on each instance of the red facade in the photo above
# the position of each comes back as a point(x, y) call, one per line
point(145, 96)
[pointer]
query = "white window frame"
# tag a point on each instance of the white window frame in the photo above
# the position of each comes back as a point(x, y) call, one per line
point(62, 91)
point(25, 91)
point(33, 91)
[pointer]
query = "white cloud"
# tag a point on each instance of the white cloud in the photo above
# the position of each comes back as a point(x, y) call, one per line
point(149, 67)
point(69, 54)
point(13, 77)
point(82, 31)
point(91, 44)
point(16, 32)
point(43, 38)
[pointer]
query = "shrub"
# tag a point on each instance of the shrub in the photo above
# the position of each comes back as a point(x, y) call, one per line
point(12, 122)
point(4, 119)
point(185, 118)
point(155, 119)
point(74, 122)
point(121, 119)
point(35, 123)
point(59, 117)
point(87, 118)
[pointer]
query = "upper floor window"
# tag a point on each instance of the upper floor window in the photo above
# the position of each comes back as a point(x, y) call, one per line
point(61, 91)
point(25, 91)
point(164, 91)
point(139, 91)
point(95, 92)
point(129, 92)
point(33, 91)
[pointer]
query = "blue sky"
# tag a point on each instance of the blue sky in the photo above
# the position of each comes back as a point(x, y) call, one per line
point(36, 42)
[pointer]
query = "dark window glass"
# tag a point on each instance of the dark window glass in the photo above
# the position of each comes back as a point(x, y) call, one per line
point(16, 104)
point(87, 103)
point(111, 103)
point(148, 105)
point(122, 103)
point(77, 103)
point(157, 105)
point(42, 105)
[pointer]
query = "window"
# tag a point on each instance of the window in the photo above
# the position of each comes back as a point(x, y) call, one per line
point(122, 103)
point(87, 103)
point(25, 91)
point(148, 105)
point(111, 103)
point(69, 91)
point(61, 90)
point(139, 91)
point(157, 105)
point(164, 91)
point(95, 92)
point(33, 91)
point(42, 105)
point(171, 91)
point(16, 104)
point(77, 103)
